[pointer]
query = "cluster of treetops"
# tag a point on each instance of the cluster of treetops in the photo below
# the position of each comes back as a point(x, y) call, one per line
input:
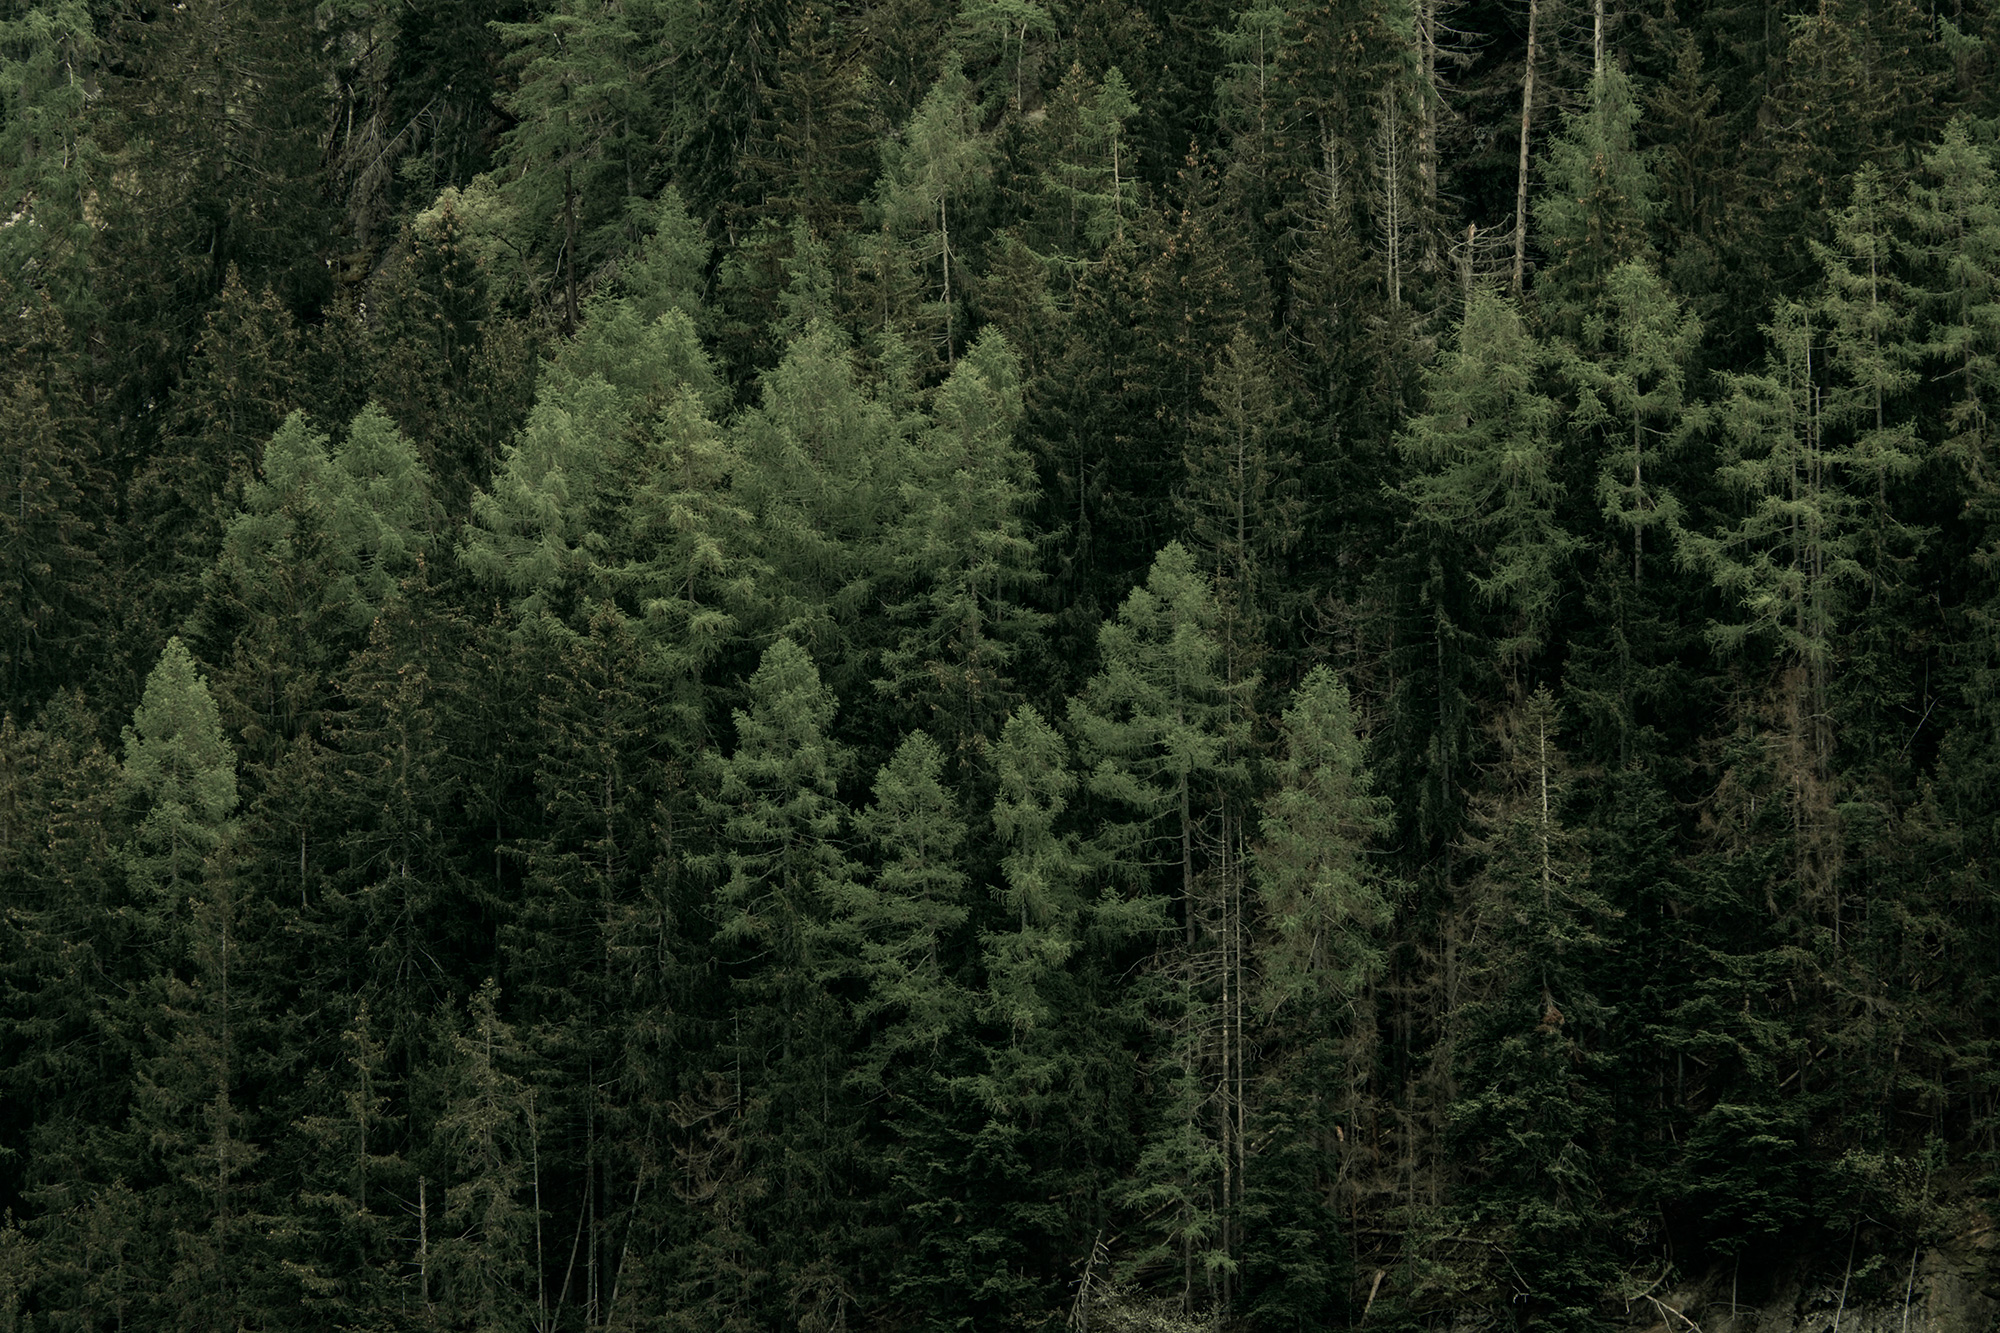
point(734, 664)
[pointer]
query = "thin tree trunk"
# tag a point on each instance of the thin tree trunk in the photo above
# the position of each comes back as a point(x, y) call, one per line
point(1521, 178)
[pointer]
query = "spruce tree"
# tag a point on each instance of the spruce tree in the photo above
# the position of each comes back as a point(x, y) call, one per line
point(1531, 1103)
point(51, 538)
point(780, 869)
point(539, 534)
point(181, 771)
point(568, 167)
point(964, 563)
point(1631, 371)
point(238, 390)
point(1598, 206)
point(1164, 732)
point(1322, 906)
point(51, 141)
point(930, 180)
point(898, 930)
point(1484, 485)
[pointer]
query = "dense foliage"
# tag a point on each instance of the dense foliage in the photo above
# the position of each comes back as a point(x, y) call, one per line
point(971, 665)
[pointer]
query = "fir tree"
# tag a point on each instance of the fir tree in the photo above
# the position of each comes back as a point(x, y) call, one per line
point(183, 773)
point(1485, 485)
point(1529, 1109)
point(939, 168)
point(1598, 206)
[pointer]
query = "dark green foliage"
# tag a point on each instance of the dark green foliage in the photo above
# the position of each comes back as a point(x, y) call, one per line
point(948, 665)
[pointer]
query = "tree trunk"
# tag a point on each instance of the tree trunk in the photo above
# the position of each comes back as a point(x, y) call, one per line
point(1521, 178)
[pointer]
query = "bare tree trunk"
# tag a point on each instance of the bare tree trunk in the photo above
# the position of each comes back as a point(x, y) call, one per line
point(1521, 179)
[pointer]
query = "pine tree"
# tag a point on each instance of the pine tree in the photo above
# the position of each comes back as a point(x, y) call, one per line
point(1631, 370)
point(1322, 906)
point(938, 168)
point(898, 929)
point(1090, 187)
point(269, 611)
point(668, 271)
point(1484, 487)
point(1529, 1109)
point(451, 373)
point(1859, 77)
point(963, 559)
point(1598, 205)
point(67, 961)
point(347, 1262)
point(1702, 185)
point(1164, 735)
point(51, 143)
point(236, 393)
point(51, 542)
point(1238, 502)
point(487, 1264)
point(1790, 566)
point(824, 461)
point(540, 533)
point(381, 513)
point(811, 152)
point(182, 771)
point(1320, 897)
point(569, 165)
point(780, 869)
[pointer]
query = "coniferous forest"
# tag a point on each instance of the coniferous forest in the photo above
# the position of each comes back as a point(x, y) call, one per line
point(985, 664)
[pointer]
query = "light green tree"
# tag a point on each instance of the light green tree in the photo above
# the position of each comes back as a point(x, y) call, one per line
point(181, 771)
point(540, 533)
point(963, 561)
point(1322, 893)
point(1483, 477)
point(1630, 371)
point(896, 925)
point(937, 168)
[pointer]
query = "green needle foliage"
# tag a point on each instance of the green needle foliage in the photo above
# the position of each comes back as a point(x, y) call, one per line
point(181, 772)
point(949, 664)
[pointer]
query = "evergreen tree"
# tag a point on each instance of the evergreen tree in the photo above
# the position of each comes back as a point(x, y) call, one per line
point(810, 155)
point(938, 168)
point(1631, 377)
point(1321, 899)
point(1090, 187)
point(51, 541)
point(1791, 567)
point(571, 162)
point(1529, 1109)
point(824, 463)
point(1238, 503)
point(236, 393)
point(51, 142)
point(1164, 735)
point(540, 533)
point(182, 772)
point(963, 559)
point(487, 1265)
point(453, 374)
point(1485, 485)
point(1598, 206)
point(898, 930)
point(780, 869)
point(1322, 907)
point(693, 568)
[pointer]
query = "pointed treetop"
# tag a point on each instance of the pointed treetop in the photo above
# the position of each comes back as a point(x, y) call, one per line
point(179, 765)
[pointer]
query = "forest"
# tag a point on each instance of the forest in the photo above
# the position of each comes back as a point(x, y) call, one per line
point(1243, 665)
